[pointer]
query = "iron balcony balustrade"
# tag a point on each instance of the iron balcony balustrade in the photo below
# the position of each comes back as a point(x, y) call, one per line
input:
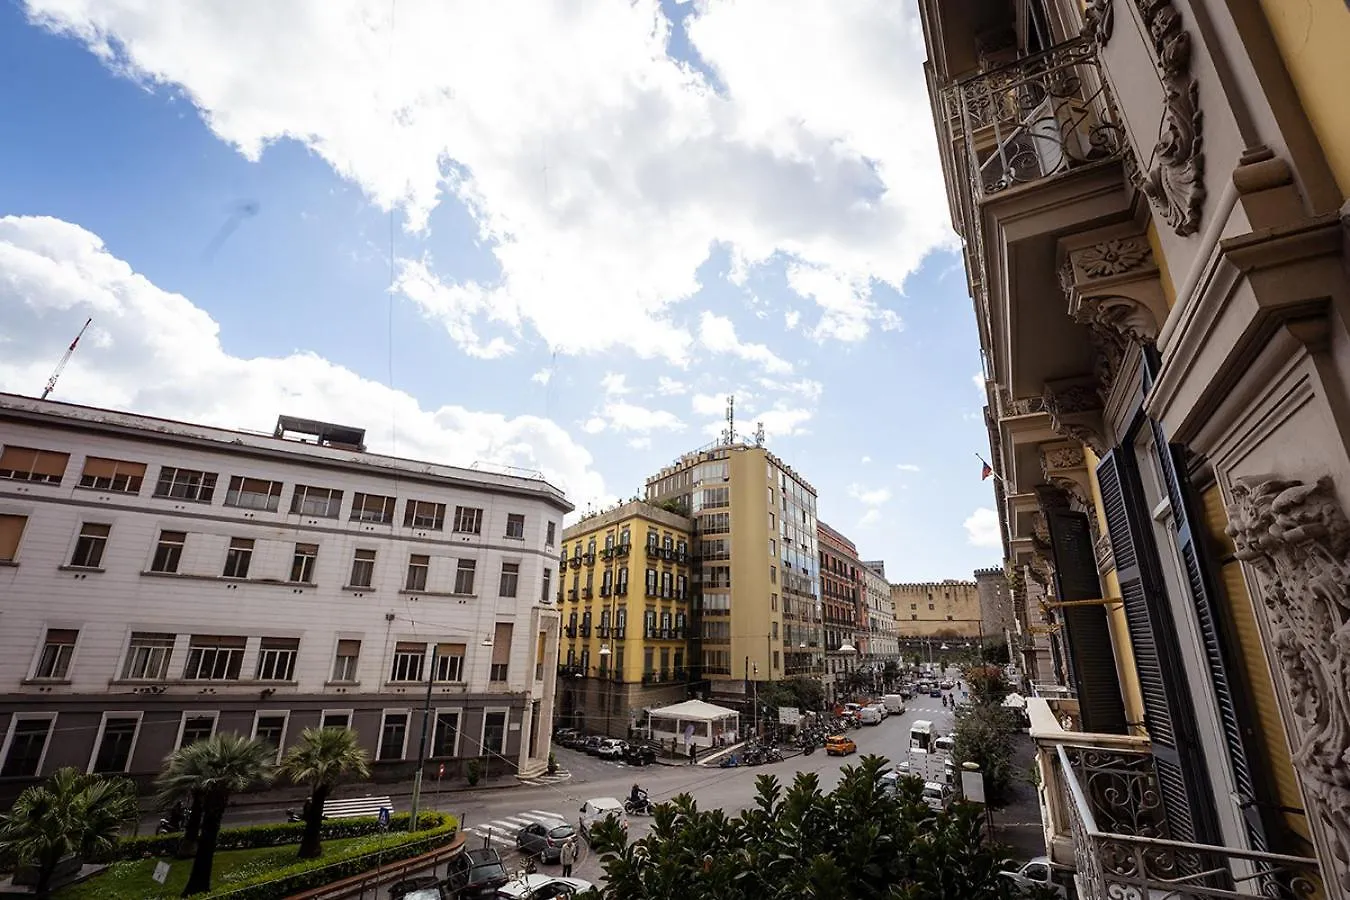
point(1121, 847)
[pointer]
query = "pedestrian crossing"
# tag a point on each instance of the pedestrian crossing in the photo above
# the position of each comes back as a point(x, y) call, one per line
point(502, 832)
point(539, 780)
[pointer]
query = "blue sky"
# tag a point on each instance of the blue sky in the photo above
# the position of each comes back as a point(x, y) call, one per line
point(555, 240)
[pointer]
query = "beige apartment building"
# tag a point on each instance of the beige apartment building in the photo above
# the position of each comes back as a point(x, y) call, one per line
point(758, 614)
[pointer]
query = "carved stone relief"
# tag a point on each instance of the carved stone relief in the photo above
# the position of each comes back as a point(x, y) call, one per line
point(1099, 20)
point(1075, 410)
point(1297, 539)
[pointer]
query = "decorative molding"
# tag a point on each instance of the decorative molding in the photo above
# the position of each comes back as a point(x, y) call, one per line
point(1174, 181)
point(1099, 21)
point(1297, 538)
point(1114, 257)
point(1105, 553)
point(1062, 456)
point(1075, 409)
point(1063, 466)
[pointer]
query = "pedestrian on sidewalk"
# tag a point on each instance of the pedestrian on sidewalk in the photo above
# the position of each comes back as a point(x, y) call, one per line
point(693, 752)
point(568, 856)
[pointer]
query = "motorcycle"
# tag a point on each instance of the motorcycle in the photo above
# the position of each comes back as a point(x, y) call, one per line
point(639, 807)
point(293, 816)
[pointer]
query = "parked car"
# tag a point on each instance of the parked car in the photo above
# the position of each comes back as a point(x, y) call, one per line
point(611, 748)
point(544, 841)
point(598, 809)
point(945, 744)
point(562, 734)
point(1036, 873)
point(639, 755)
point(592, 745)
point(475, 874)
point(870, 715)
point(937, 795)
point(542, 887)
point(423, 887)
point(840, 745)
point(935, 692)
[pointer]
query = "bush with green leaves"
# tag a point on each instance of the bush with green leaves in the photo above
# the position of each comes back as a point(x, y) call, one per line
point(984, 735)
point(857, 842)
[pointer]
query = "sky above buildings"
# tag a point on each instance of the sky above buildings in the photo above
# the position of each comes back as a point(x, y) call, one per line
point(552, 235)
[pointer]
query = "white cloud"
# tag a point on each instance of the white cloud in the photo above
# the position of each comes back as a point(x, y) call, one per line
point(156, 353)
point(543, 376)
point(982, 528)
point(907, 467)
point(593, 425)
point(708, 404)
point(805, 389)
point(791, 318)
point(668, 387)
point(596, 167)
point(866, 459)
point(869, 496)
point(640, 443)
point(614, 384)
point(978, 380)
point(718, 336)
point(623, 416)
point(871, 517)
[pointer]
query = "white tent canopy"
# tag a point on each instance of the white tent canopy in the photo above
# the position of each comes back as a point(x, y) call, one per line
point(693, 721)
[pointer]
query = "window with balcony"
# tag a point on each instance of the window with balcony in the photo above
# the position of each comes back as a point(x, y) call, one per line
point(276, 659)
point(27, 464)
point(393, 735)
point(419, 565)
point(11, 534)
point(253, 493)
point(363, 569)
point(214, 658)
point(450, 662)
point(26, 744)
point(117, 475)
point(606, 583)
point(345, 659)
point(302, 564)
point(667, 585)
point(148, 656)
point(621, 585)
point(375, 509)
point(409, 659)
point(322, 503)
point(58, 647)
point(510, 579)
point(515, 526)
point(112, 754)
point(238, 557)
point(168, 552)
point(89, 546)
point(651, 583)
point(424, 515)
point(468, 520)
point(464, 572)
point(620, 622)
point(191, 485)
point(648, 660)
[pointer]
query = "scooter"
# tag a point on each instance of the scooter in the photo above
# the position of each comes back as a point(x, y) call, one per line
point(640, 807)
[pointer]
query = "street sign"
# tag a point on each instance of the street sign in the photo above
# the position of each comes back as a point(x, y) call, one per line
point(383, 820)
point(440, 772)
point(161, 873)
point(788, 715)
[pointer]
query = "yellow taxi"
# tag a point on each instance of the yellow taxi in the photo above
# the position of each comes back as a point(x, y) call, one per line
point(840, 745)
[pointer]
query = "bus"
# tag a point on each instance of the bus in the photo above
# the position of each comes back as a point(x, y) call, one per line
point(921, 736)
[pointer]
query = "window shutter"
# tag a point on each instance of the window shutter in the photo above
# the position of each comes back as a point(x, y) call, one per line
point(1088, 640)
point(348, 648)
point(501, 644)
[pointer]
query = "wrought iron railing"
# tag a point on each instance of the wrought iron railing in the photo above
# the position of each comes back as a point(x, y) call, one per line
point(1121, 848)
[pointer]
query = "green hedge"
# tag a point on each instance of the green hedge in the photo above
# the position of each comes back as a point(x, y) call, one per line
point(251, 837)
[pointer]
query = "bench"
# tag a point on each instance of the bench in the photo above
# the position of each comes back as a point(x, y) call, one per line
point(355, 807)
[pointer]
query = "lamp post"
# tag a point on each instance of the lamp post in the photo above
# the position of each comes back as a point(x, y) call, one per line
point(422, 743)
point(604, 651)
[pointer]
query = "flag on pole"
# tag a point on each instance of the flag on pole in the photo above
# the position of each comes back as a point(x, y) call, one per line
point(985, 470)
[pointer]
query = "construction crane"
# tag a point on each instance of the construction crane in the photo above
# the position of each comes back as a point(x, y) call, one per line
point(60, 367)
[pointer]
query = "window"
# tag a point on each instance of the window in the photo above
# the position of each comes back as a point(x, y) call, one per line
point(344, 661)
point(302, 566)
point(773, 628)
point(510, 579)
point(270, 728)
point(214, 658)
point(185, 484)
point(26, 464)
point(57, 649)
point(424, 514)
point(550, 534)
point(949, 618)
point(464, 576)
point(715, 523)
point(363, 569)
point(372, 508)
point(148, 656)
point(548, 585)
point(276, 659)
point(621, 586)
point(418, 566)
point(449, 662)
point(409, 658)
point(196, 728)
point(112, 749)
point(494, 731)
point(336, 718)
point(25, 745)
point(648, 661)
point(773, 574)
point(515, 526)
point(11, 533)
point(651, 582)
point(468, 519)
point(112, 475)
point(253, 493)
point(168, 552)
point(393, 735)
point(445, 740)
point(667, 584)
point(325, 503)
point(89, 545)
point(501, 652)
point(238, 557)
point(930, 606)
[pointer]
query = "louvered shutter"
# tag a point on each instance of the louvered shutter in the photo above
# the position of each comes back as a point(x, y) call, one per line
point(1087, 636)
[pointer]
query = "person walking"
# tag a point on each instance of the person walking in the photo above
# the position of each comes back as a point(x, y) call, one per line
point(568, 856)
point(693, 752)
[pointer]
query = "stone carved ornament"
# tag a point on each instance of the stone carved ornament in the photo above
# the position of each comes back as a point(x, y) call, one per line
point(1297, 538)
point(1074, 407)
point(1099, 20)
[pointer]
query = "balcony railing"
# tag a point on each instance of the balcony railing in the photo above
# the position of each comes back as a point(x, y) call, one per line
point(1033, 119)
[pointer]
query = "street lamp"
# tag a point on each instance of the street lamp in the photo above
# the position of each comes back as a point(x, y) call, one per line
point(604, 651)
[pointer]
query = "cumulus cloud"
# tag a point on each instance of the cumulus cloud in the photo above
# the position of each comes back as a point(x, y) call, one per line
point(869, 496)
point(866, 459)
point(543, 376)
point(614, 383)
point(155, 352)
point(982, 528)
point(596, 167)
point(871, 517)
point(978, 380)
point(669, 386)
point(718, 336)
point(907, 467)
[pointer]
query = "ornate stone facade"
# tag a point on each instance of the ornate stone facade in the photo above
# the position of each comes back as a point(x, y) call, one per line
point(1075, 409)
point(1297, 539)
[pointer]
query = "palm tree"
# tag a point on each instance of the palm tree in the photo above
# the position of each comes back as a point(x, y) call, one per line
point(211, 770)
point(69, 814)
point(323, 758)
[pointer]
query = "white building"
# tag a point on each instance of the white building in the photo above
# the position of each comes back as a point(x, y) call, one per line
point(882, 644)
point(160, 581)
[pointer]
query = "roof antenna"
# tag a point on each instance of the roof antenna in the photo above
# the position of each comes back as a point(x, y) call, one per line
point(759, 434)
point(729, 436)
point(61, 366)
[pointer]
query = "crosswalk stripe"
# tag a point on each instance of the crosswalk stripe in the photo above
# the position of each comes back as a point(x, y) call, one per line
point(551, 815)
point(542, 818)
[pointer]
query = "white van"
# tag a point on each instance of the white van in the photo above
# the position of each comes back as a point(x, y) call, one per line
point(921, 736)
point(894, 703)
point(869, 715)
point(945, 744)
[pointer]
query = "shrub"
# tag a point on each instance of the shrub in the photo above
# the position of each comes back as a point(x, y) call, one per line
point(552, 763)
point(474, 771)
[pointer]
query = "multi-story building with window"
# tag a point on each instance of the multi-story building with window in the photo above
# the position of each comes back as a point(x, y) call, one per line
point(1152, 198)
point(624, 596)
point(878, 640)
point(932, 618)
point(841, 590)
point(162, 581)
point(757, 613)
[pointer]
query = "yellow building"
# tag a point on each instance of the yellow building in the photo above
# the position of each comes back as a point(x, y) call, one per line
point(759, 615)
point(624, 596)
point(942, 609)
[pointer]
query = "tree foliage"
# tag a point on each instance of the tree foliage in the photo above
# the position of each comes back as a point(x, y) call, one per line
point(988, 685)
point(798, 693)
point(984, 731)
point(70, 814)
point(322, 759)
point(857, 841)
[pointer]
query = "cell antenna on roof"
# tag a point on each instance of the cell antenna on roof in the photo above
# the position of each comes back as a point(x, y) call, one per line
point(61, 366)
point(729, 435)
point(759, 434)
